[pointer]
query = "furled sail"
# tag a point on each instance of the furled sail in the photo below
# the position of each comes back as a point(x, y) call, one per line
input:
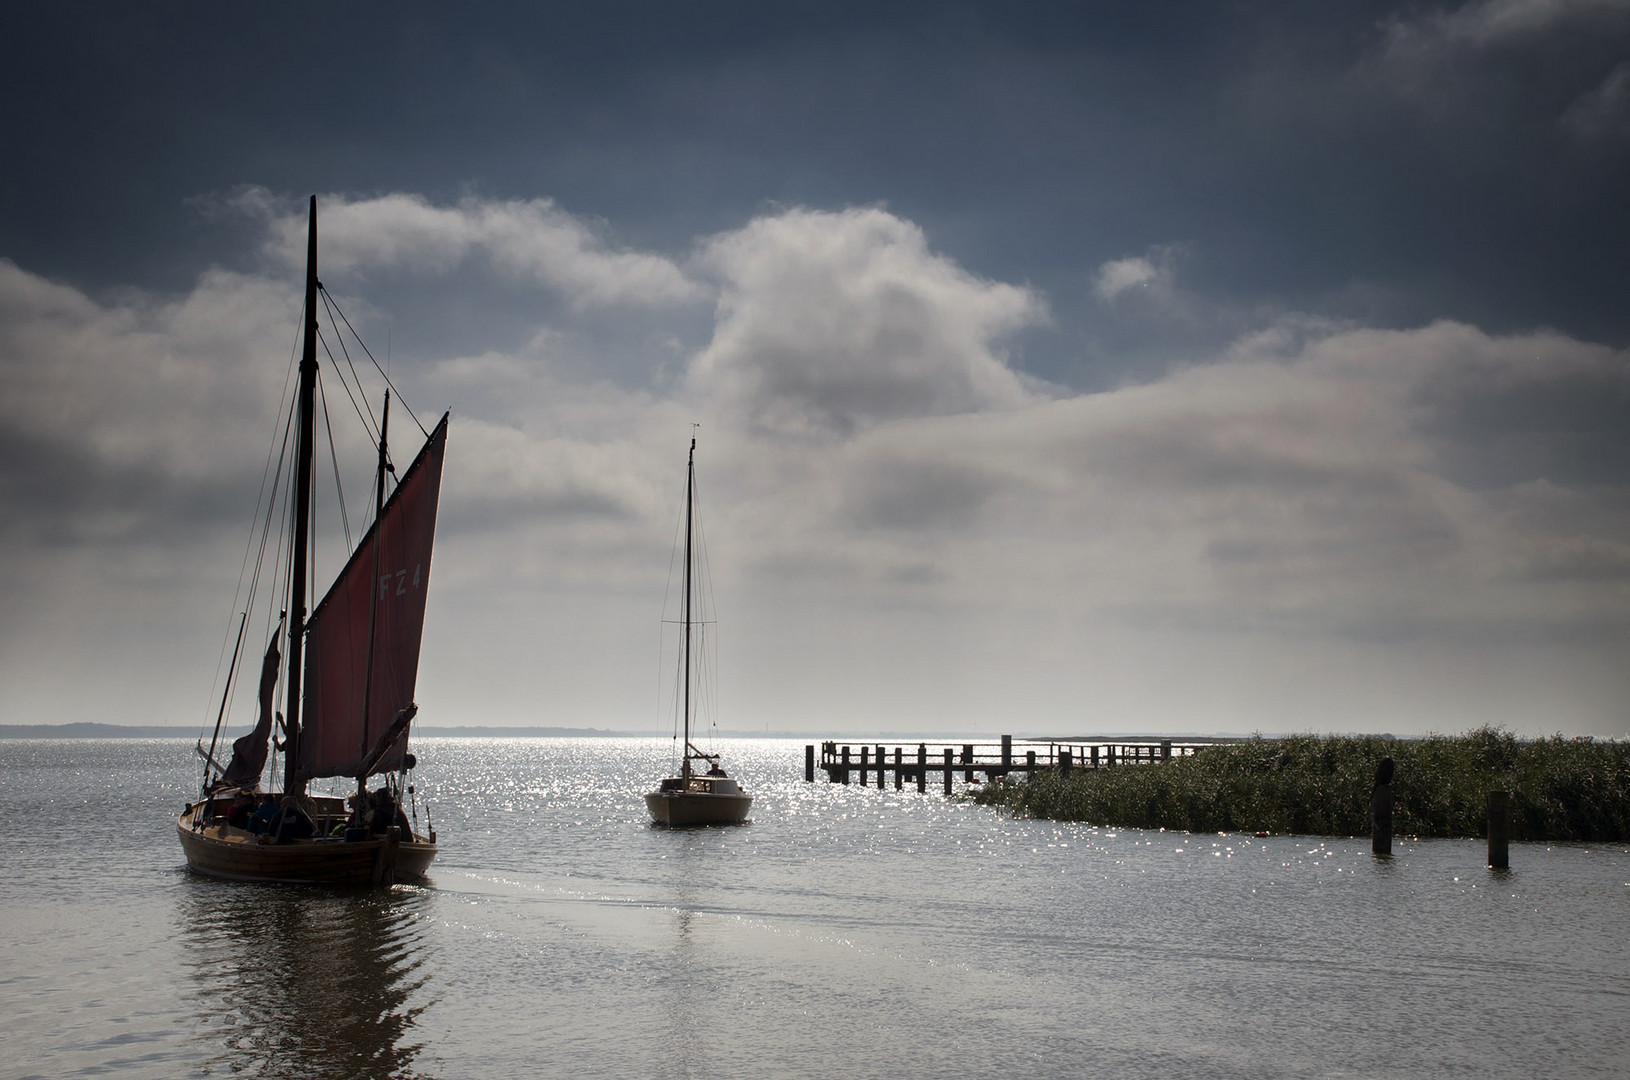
point(249, 752)
point(354, 701)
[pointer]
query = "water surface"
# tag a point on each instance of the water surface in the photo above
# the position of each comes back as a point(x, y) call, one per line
point(846, 930)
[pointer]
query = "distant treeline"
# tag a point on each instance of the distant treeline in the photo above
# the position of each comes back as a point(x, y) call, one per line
point(1561, 788)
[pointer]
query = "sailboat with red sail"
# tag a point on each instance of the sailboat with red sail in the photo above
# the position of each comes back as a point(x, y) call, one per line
point(347, 679)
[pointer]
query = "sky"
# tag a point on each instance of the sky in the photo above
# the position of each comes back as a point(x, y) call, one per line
point(1060, 368)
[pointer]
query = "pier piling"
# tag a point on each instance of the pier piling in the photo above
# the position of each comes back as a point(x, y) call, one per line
point(1381, 809)
point(1499, 815)
point(973, 760)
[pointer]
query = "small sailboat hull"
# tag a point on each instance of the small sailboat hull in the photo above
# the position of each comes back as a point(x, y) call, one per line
point(678, 809)
point(218, 850)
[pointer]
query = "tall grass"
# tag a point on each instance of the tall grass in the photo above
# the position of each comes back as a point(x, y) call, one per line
point(1561, 789)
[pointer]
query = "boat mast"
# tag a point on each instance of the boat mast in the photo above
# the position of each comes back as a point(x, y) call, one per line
point(302, 515)
point(373, 600)
point(690, 501)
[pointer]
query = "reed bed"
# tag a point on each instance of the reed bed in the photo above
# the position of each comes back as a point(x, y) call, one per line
point(1561, 788)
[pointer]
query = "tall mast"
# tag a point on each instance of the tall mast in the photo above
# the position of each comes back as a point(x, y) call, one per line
point(302, 513)
point(690, 500)
point(373, 599)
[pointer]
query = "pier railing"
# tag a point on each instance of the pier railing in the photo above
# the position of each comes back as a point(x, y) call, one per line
point(913, 762)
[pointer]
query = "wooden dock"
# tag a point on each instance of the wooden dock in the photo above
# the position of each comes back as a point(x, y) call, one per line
point(914, 762)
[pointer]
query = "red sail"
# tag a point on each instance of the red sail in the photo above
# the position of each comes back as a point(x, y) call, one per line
point(381, 592)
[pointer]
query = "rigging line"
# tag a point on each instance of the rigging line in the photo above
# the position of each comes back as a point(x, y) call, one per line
point(280, 491)
point(662, 644)
point(266, 525)
point(294, 352)
point(400, 400)
point(708, 673)
point(370, 423)
point(334, 457)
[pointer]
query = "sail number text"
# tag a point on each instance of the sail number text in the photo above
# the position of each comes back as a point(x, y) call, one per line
point(398, 584)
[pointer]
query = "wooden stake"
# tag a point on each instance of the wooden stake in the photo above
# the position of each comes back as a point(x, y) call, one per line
point(1499, 815)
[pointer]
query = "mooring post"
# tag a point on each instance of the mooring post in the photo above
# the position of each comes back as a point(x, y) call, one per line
point(1109, 755)
point(922, 767)
point(809, 763)
point(967, 759)
point(1381, 820)
point(1007, 753)
point(1094, 757)
point(864, 752)
point(1064, 759)
point(881, 761)
point(1499, 811)
point(1029, 762)
point(845, 772)
point(947, 770)
point(899, 774)
point(1165, 749)
point(1381, 809)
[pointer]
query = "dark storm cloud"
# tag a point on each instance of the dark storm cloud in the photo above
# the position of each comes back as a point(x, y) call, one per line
point(1242, 354)
point(1393, 164)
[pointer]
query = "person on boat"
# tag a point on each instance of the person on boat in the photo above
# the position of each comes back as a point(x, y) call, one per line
point(243, 808)
point(293, 823)
point(715, 770)
point(265, 819)
point(387, 812)
point(355, 826)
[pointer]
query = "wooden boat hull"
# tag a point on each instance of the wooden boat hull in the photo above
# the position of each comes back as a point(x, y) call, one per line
point(220, 851)
point(678, 809)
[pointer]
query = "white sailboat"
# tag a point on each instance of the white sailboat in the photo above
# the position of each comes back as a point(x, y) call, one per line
point(697, 795)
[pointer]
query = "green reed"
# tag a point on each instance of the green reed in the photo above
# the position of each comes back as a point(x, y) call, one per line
point(1561, 788)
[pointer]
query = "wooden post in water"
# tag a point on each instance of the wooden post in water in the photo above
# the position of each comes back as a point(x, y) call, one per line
point(1381, 809)
point(865, 751)
point(1094, 757)
point(947, 770)
point(1165, 749)
point(1007, 753)
point(899, 773)
point(1029, 763)
point(922, 768)
point(967, 758)
point(809, 763)
point(1499, 812)
point(1064, 759)
point(881, 761)
point(845, 771)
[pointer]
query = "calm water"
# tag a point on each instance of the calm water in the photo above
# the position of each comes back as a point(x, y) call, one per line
point(846, 931)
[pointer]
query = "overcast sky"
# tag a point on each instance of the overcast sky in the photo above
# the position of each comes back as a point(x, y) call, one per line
point(1061, 368)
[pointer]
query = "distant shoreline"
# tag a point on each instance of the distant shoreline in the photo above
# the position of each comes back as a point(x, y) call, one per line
point(139, 731)
point(150, 731)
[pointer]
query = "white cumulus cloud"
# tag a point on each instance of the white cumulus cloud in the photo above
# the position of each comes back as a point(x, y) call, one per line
point(830, 323)
point(528, 239)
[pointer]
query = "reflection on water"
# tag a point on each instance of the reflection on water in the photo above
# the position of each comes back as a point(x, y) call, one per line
point(564, 936)
point(306, 982)
point(684, 975)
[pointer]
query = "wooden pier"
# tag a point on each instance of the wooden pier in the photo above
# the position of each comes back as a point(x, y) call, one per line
point(914, 762)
